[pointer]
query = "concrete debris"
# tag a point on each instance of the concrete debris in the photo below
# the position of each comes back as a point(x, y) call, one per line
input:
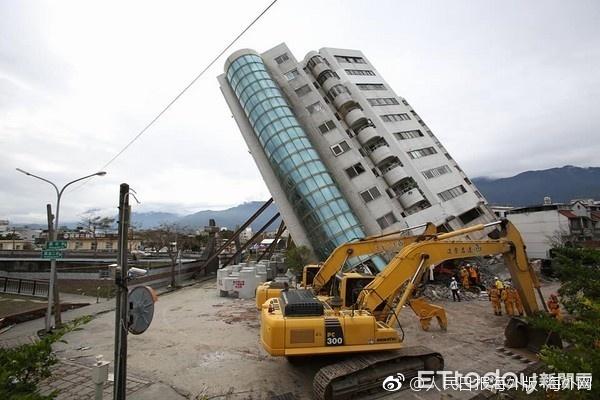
point(443, 292)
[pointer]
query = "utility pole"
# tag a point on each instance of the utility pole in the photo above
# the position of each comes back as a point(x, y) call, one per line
point(121, 320)
point(52, 233)
point(50, 282)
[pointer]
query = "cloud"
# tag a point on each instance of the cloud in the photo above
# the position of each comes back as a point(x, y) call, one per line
point(506, 86)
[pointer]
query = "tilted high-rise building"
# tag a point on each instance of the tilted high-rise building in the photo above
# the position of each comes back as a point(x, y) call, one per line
point(342, 154)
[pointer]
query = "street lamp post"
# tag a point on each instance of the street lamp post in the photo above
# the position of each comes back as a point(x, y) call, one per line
point(53, 277)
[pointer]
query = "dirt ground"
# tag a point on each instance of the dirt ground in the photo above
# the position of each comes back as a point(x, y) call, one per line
point(11, 304)
point(208, 347)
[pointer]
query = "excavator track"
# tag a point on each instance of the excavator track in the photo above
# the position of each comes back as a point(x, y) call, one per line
point(362, 375)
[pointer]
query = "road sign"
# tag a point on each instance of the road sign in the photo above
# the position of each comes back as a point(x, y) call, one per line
point(51, 254)
point(57, 244)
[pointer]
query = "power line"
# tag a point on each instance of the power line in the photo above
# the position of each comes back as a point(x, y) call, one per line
point(140, 133)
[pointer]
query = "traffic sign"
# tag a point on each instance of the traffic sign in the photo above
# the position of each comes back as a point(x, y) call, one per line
point(57, 244)
point(51, 254)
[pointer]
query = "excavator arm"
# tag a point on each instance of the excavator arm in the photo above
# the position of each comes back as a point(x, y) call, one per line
point(369, 245)
point(405, 271)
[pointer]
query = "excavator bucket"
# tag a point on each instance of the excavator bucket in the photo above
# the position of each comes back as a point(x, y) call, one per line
point(519, 334)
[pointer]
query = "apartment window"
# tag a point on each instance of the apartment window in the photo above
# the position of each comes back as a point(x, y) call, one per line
point(374, 145)
point(448, 156)
point(470, 215)
point(316, 60)
point(326, 75)
point(383, 101)
point(404, 102)
point(327, 126)
point(315, 107)
point(108, 245)
point(427, 151)
point(452, 193)
point(478, 194)
point(303, 90)
point(434, 172)
point(363, 72)
point(395, 117)
point(350, 60)
point(291, 75)
point(340, 148)
point(370, 86)
point(387, 220)
point(355, 170)
point(337, 90)
point(408, 134)
point(282, 58)
point(370, 194)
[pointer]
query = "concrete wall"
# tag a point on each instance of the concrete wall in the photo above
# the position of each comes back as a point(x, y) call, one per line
point(537, 228)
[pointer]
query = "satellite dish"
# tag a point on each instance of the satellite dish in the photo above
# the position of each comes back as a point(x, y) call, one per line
point(141, 309)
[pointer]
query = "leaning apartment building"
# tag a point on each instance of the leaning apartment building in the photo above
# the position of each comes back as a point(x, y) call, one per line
point(342, 154)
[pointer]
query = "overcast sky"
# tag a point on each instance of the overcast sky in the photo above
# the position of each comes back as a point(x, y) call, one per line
point(507, 86)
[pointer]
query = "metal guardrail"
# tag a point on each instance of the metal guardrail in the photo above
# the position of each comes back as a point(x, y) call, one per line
point(27, 287)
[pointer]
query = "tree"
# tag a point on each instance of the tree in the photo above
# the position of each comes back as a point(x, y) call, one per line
point(94, 223)
point(579, 272)
point(296, 258)
point(24, 367)
point(167, 237)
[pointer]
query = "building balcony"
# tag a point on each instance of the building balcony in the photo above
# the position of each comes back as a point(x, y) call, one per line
point(354, 116)
point(366, 135)
point(380, 154)
point(341, 100)
point(320, 67)
point(410, 198)
point(329, 83)
point(394, 175)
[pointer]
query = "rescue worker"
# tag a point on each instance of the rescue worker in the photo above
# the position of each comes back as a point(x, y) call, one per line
point(518, 303)
point(464, 277)
point(454, 288)
point(554, 306)
point(494, 296)
point(504, 299)
point(509, 300)
point(499, 284)
point(472, 274)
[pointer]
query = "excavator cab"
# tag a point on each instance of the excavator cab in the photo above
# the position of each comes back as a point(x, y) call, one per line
point(350, 285)
point(308, 274)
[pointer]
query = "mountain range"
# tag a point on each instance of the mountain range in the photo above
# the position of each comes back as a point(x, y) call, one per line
point(230, 218)
point(530, 187)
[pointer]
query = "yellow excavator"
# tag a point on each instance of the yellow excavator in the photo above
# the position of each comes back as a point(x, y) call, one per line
point(318, 277)
point(298, 323)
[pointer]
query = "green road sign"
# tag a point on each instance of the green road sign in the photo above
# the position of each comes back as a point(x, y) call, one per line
point(57, 244)
point(51, 254)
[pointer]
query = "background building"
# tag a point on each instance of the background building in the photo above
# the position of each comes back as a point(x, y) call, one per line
point(342, 154)
point(549, 224)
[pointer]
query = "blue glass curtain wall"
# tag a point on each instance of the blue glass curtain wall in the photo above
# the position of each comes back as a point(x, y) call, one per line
point(325, 214)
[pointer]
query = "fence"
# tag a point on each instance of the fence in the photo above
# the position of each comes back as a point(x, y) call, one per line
point(28, 287)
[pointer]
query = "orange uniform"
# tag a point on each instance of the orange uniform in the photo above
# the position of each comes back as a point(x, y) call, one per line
point(554, 306)
point(464, 277)
point(472, 275)
point(518, 303)
point(510, 301)
point(505, 299)
point(495, 299)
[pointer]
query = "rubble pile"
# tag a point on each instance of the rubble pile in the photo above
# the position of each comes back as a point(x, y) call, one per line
point(433, 291)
